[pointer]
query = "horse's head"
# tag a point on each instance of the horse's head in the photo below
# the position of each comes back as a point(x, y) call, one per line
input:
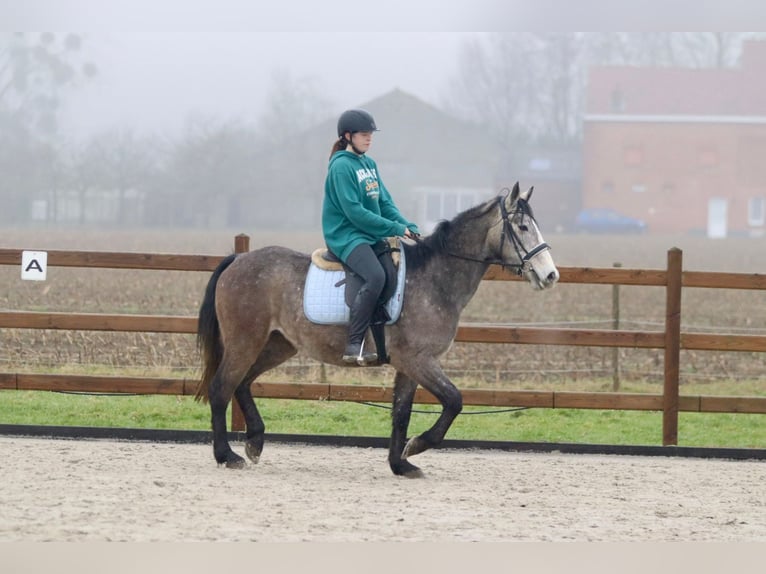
point(519, 242)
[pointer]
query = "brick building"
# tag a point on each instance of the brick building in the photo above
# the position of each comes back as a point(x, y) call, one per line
point(682, 149)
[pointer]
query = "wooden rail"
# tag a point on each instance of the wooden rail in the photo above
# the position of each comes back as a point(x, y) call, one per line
point(466, 333)
point(107, 260)
point(671, 339)
point(372, 393)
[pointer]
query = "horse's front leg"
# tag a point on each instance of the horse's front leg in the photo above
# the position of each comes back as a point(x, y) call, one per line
point(430, 375)
point(404, 393)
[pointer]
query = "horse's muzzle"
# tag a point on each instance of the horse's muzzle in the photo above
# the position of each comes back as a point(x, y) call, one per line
point(542, 282)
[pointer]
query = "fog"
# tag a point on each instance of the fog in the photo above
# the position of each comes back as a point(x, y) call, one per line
point(158, 81)
point(208, 128)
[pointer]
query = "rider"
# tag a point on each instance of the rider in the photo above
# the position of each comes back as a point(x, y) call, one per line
point(357, 213)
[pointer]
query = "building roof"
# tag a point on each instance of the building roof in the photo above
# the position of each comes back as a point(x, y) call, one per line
point(636, 91)
point(416, 140)
point(410, 126)
point(418, 145)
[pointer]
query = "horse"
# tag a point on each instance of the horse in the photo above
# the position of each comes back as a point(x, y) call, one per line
point(251, 320)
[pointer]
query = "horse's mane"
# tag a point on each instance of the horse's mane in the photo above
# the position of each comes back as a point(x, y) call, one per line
point(423, 251)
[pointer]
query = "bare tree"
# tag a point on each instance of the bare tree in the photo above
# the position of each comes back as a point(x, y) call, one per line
point(293, 106)
point(531, 86)
point(207, 171)
point(26, 163)
point(118, 162)
point(34, 70)
point(522, 86)
point(561, 77)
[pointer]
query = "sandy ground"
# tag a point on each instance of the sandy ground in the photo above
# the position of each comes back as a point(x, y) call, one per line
point(94, 490)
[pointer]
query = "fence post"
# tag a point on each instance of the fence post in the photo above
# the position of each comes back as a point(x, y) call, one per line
point(616, 326)
point(241, 245)
point(672, 347)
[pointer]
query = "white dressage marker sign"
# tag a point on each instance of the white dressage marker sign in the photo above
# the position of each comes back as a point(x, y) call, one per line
point(34, 265)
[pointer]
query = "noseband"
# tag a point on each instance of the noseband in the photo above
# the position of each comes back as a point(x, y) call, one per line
point(512, 237)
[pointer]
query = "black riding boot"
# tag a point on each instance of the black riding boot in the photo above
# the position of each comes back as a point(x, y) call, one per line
point(361, 311)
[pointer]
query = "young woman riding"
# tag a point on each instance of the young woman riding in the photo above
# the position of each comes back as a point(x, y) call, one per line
point(358, 213)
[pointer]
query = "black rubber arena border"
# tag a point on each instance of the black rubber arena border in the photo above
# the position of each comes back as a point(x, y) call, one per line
point(206, 437)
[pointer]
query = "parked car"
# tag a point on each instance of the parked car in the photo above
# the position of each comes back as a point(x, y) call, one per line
point(606, 220)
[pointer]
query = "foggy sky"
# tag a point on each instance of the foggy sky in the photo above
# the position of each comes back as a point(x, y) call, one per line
point(156, 81)
point(330, 16)
point(162, 61)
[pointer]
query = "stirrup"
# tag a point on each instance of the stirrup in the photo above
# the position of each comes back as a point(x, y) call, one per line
point(361, 358)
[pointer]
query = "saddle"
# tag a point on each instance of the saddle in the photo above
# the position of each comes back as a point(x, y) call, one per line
point(330, 288)
point(326, 260)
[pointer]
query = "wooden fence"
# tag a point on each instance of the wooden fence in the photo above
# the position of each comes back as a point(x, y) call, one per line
point(671, 339)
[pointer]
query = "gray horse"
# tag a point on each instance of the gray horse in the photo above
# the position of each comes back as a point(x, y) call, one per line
point(251, 320)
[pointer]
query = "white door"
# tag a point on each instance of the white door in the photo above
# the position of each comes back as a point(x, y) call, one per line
point(716, 218)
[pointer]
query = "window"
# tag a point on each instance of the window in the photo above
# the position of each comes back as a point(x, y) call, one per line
point(633, 155)
point(449, 205)
point(446, 204)
point(617, 101)
point(540, 164)
point(756, 211)
point(638, 188)
point(433, 207)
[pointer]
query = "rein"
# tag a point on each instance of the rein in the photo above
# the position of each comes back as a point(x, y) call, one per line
point(523, 254)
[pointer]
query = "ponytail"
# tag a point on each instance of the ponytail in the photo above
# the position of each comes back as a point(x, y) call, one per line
point(339, 145)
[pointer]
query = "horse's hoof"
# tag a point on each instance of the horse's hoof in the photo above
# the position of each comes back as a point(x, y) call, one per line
point(407, 470)
point(414, 446)
point(233, 460)
point(254, 448)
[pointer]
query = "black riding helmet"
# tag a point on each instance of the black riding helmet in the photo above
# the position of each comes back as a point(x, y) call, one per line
point(356, 121)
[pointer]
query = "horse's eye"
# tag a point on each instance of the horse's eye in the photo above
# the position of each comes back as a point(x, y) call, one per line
point(523, 228)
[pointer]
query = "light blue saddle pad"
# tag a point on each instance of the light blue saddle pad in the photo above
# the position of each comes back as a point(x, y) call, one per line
point(325, 304)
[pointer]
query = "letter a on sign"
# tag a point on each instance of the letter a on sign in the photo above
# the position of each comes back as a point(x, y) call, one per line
point(34, 265)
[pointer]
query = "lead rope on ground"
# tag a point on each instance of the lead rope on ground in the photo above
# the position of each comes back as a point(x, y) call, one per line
point(462, 413)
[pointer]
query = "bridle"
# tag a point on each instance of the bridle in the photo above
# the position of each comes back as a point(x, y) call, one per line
point(512, 237)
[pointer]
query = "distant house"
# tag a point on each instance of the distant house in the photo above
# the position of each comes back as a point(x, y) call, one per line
point(683, 149)
point(434, 165)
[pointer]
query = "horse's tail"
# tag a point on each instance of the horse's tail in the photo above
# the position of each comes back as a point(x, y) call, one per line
point(208, 332)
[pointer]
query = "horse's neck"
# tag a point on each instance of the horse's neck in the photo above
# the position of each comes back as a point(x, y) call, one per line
point(457, 279)
point(463, 264)
point(455, 269)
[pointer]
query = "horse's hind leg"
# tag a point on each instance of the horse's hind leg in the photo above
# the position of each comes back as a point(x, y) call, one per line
point(277, 351)
point(254, 426)
point(219, 395)
point(237, 362)
point(429, 374)
point(404, 393)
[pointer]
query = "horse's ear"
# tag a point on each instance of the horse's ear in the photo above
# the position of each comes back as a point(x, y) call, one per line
point(528, 195)
point(515, 192)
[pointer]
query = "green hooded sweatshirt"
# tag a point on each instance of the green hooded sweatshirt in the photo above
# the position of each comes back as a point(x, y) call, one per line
point(357, 207)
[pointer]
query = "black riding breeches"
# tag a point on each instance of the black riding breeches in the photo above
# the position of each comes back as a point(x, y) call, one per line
point(364, 262)
point(371, 273)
